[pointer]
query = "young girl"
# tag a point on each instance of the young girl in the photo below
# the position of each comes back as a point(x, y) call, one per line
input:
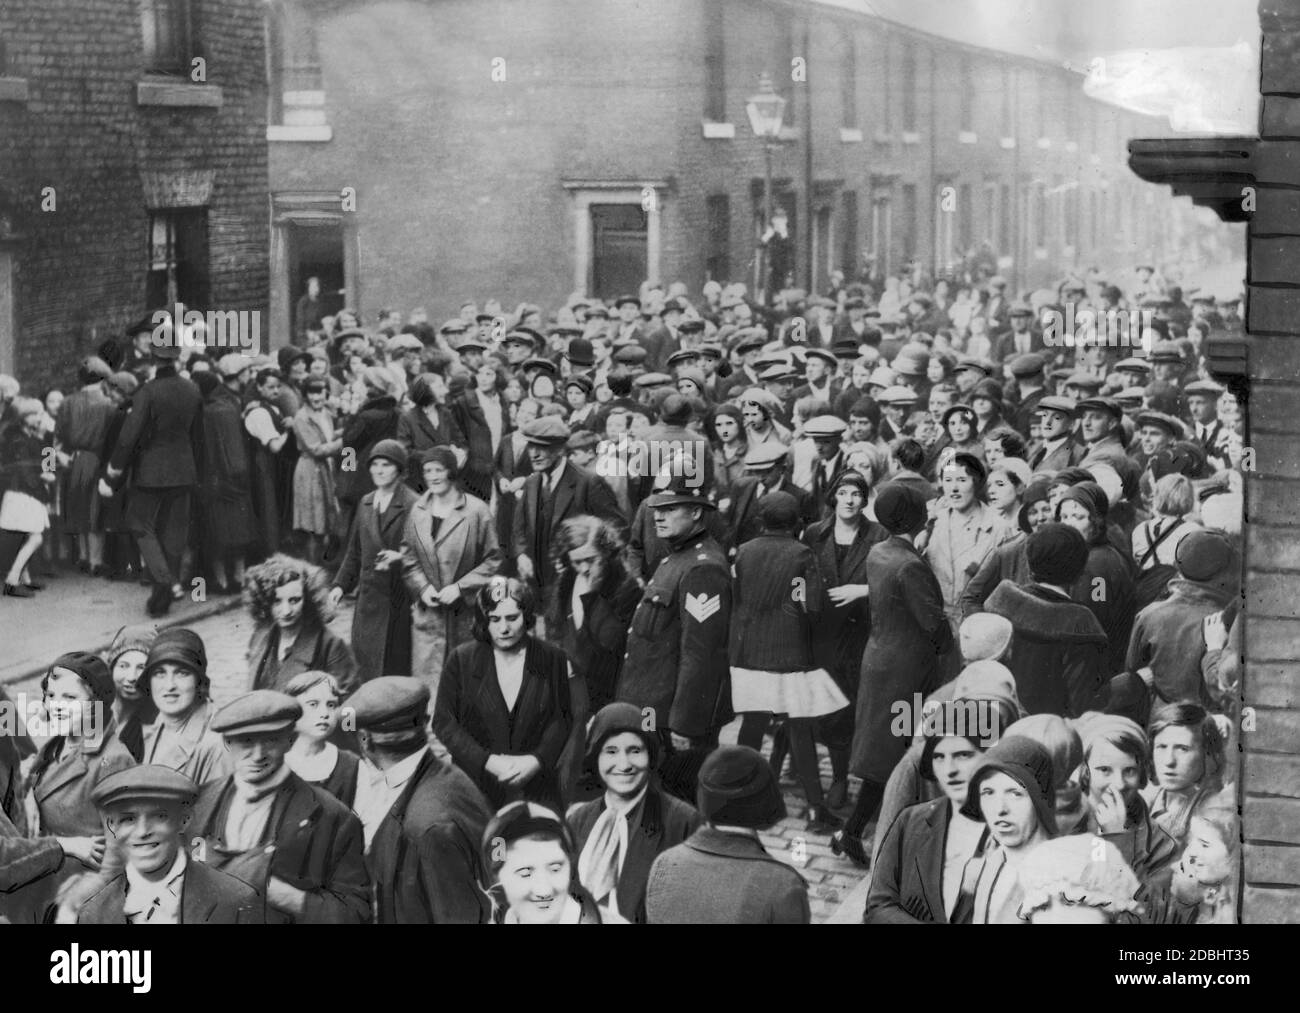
point(313, 757)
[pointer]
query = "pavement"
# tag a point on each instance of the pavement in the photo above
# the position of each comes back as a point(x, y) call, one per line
point(77, 612)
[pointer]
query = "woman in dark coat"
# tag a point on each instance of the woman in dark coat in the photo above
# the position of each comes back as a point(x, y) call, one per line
point(372, 565)
point(910, 636)
point(483, 416)
point(427, 425)
point(841, 543)
point(503, 702)
point(82, 424)
point(375, 420)
point(614, 865)
point(270, 448)
point(120, 553)
point(590, 615)
point(1106, 586)
point(511, 467)
point(776, 594)
point(225, 501)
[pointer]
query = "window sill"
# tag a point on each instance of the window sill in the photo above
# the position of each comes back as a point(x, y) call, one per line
point(13, 89)
point(178, 94)
point(314, 132)
point(850, 135)
point(967, 137)
point(1008, 143)
point(719, 131)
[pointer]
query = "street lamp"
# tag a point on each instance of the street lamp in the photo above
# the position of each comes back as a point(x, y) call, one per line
point(766, 109)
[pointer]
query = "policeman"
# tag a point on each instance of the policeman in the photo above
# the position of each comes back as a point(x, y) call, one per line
point(675, 668)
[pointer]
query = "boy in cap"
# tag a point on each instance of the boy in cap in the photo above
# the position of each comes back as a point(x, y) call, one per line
point(721, 875)
point(766, 472)
point(301, 847)
point(423, 817)
point(146, 810)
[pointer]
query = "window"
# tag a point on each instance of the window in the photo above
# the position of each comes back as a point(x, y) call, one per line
point(967, 94)
point(907, 225)
point(178, 258)
point(849, 84)
point(718, 214)
point(168, 39)
point(715, 89)
point(909, 87)
point(849, 254)
point(295, 83)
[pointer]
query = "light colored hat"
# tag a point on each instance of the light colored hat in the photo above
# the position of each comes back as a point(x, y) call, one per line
point(882, 376)
point(1015, 466)
point(233, 364)
point(1108, 478)
point(984, 636)
point(898, 395)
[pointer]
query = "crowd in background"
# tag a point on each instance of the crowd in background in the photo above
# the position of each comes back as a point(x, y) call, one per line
point(581, 543)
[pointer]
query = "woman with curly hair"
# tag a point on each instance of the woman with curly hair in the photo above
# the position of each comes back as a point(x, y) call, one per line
point(289, 601)
point(590, 614)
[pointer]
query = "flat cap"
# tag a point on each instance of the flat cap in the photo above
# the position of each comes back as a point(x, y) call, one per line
point(821, 353)
point(882, 376)
point(1160, 420)
point(1100, 404)
point(752, 337)
point(147, 780)
point(630, 355)
point(471, 345)
point(1165, 351)
point(580, 381)
point(519, 337)
point(825, 426)
point(263, 710)
point(764, 455)
point(777, 371)
point(545, 365)
point(1205, 387)
point(652, 380)
point(1052, 403)
point(856, 303)
point(233, 364)
point(692, 325)
point(390, 703)
point(1021, 309)
point(94, 366)
point(846, 348)
point(618, 303)
point(684, 355)
point(548, 431)
point(898, 395)
point(456, 325)
point(1084, 381)
point(975, 362)
point(1132, 364)
point(1029, 364)
point(405, 343)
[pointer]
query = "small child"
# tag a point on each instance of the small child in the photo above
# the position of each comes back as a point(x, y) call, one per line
point(313, 757)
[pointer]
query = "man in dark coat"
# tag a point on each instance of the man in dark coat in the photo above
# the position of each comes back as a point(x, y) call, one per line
point(481, 416)
point(676, 663)
point(376, 420)
point(147, 808)
point(1058, 648)
point(721, 874)
point(162, 441)
point(1058, 449)
point(765, 473)
point(300, 847)
point(555, 491)
point(671, 444)
point(424, 845)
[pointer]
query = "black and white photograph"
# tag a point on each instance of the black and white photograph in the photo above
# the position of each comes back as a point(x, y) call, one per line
point(652, 462)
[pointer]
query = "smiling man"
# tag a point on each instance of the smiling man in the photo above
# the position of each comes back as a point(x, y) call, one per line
point(146, 810)
point(296, 843)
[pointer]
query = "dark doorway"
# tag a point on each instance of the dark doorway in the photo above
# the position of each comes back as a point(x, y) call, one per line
point(316, 251)
point(618, 248)
point(178, 259)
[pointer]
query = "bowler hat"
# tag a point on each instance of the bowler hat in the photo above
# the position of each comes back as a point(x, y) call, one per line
point(580, 352)
point(737, 788)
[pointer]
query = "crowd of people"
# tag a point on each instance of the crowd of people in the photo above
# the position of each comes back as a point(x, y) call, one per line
point(994, 574)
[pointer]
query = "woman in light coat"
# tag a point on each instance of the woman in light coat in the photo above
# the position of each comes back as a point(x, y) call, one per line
point(449, 551)
point(315, 507)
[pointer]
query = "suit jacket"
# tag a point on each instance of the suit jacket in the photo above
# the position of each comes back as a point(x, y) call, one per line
point(318, 848)
point(658, 822)
point(742, 518)
point(717, 878)
point(1067, 455)
point(470, 717)
point(1004, 344)
point(473, 425)
point(907, 881)
point(162, 437)
point(208, 897)
point(424, 858)
point(381, 624)
point(579, 492)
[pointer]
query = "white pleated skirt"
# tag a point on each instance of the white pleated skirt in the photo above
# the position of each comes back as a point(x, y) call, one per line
point(20, 512)
point(798, 694)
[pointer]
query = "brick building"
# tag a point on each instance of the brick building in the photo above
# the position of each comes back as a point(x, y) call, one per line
point(526, 150)
point(133, 169)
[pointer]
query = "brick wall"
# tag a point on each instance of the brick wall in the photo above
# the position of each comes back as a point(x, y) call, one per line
point(82, 267)
point(459, 177)
point(1271, 803)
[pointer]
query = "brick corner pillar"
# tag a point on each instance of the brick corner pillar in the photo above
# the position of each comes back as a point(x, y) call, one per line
point(1271, 762)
